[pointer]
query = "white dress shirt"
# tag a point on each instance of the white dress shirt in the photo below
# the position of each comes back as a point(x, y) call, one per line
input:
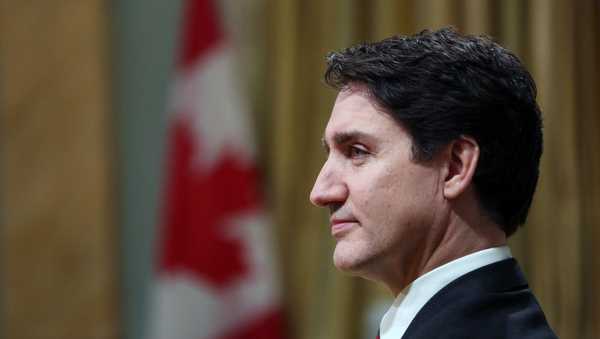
point(417, 294)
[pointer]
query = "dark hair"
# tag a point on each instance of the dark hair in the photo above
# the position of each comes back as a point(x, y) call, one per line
point(441, 85)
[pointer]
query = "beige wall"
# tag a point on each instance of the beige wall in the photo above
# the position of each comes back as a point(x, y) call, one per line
point(59, 250)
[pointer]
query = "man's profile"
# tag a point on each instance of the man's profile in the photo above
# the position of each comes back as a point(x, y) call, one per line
point(433, 150)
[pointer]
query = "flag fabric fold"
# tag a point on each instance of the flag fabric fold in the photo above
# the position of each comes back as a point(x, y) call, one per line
point(215, 276)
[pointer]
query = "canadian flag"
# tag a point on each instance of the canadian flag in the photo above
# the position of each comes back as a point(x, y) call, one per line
point(216, 276)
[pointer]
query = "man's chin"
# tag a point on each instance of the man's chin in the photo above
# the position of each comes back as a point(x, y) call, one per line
point(347, 262)
point(354, 262)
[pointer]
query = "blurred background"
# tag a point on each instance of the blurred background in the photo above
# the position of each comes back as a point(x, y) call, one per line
point(90, 110)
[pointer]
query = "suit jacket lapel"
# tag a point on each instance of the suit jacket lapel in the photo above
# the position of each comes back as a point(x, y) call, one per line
point(501, 277)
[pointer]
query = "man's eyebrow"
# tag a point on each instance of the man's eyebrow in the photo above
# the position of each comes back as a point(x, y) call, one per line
point(341, 138)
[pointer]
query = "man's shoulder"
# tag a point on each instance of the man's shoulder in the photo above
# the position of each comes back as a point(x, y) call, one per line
point(493, 301)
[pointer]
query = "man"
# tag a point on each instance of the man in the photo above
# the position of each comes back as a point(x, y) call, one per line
point(433, 149)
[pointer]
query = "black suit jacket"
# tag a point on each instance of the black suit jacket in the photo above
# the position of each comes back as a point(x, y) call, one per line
point(492, 302)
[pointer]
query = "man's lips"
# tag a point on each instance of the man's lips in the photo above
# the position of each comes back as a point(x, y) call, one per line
point(340, 226)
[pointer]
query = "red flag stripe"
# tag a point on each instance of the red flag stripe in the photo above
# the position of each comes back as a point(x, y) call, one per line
point(268, 326)
point(201, 31)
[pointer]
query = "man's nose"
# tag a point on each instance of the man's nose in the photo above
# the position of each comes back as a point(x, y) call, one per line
point(328, 188)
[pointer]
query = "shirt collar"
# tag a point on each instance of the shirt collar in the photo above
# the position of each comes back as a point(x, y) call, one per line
point(408, 303)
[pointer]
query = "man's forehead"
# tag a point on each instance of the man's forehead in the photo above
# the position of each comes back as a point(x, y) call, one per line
point(350, 109)
point(355, 115)
point(354, 95)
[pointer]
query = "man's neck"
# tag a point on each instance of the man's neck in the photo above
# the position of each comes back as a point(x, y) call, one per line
point(463, 235)
point(461, 241)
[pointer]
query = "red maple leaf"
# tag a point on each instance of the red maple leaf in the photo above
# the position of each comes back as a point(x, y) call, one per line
point(196, 235)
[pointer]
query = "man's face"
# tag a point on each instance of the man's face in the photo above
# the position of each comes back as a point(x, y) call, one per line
point(382, 203)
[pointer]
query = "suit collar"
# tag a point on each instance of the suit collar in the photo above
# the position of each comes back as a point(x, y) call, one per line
point(417, 294)
point(494, 279)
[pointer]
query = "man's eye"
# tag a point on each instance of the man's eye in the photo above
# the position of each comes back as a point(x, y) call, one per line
point(357, 151)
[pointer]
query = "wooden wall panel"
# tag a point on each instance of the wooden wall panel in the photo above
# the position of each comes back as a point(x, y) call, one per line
point(555, 220)
point(58, 244)
point(587, 29)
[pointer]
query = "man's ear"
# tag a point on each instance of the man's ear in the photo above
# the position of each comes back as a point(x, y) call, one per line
point(463, 154)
